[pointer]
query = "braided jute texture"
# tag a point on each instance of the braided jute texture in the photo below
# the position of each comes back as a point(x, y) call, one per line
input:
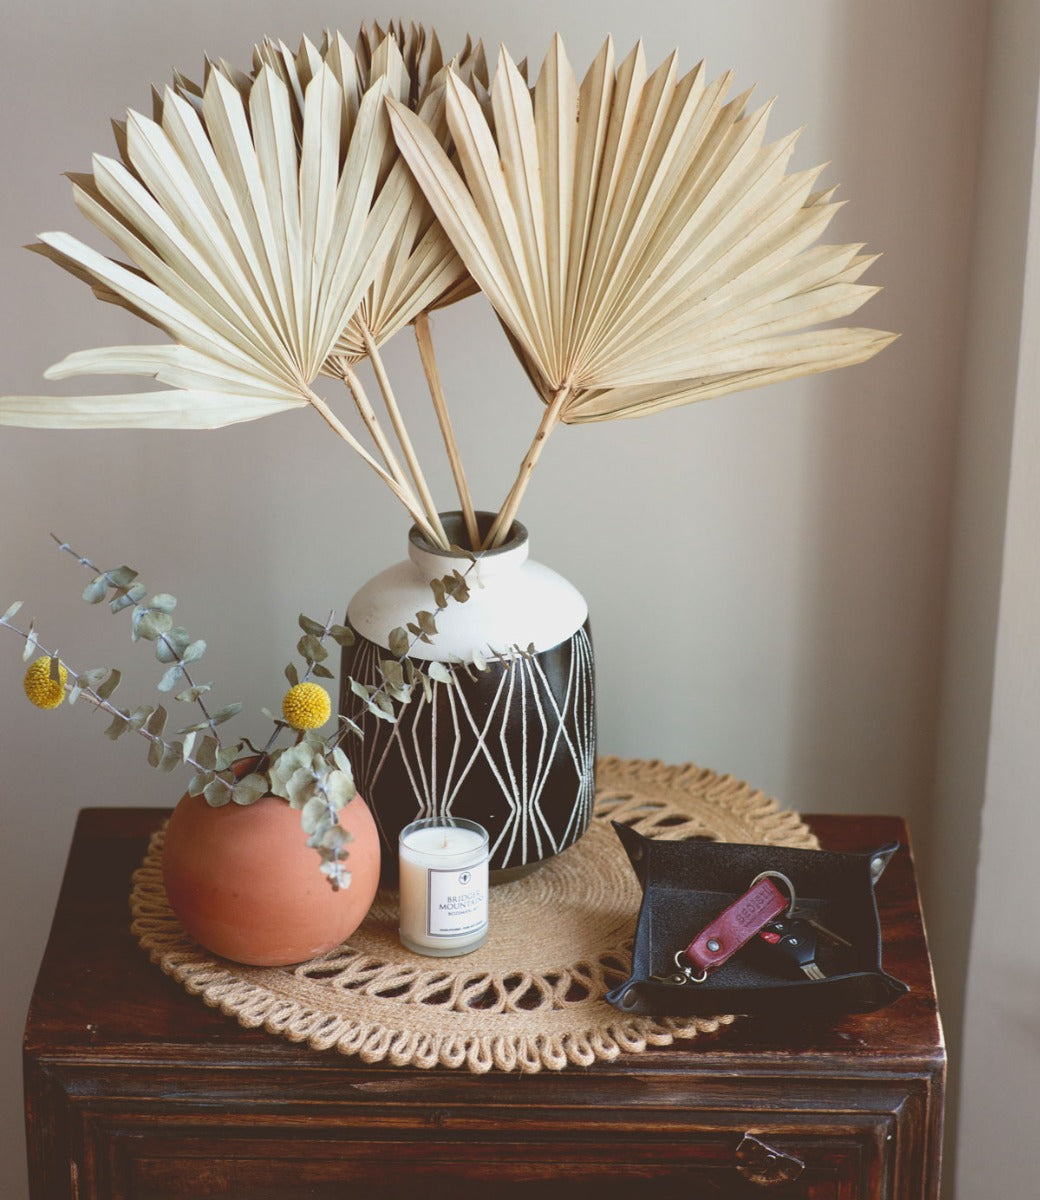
point(532, 997)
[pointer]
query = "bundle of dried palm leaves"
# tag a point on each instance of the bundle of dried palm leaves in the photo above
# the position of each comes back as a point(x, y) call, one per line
point(641, 242)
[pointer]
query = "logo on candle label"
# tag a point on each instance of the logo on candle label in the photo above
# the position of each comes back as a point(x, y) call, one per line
point(457, 901)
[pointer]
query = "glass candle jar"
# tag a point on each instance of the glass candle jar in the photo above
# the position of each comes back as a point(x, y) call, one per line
point(444, 886)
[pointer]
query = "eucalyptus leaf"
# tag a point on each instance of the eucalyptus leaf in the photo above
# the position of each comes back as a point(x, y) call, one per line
point(125, 597)
point(172, 644)
point(170, 678)
point(439, 672)
point(427, 688)
point(308, 625)
point(198, 782)
point(171, 758)
point(121, 577)
point(382, 704)
point(164, 602)
point(249, 790)
point(118, 727)
point(155, 752)
point(193, 652)
point(292, 674)
point(156, 723)
point(321, 672)
point(93, 678)
point(190, 695)
point(187, 746)
point(479, 661)
point(30, 644)
point(11, 611)
point(217, 793)
point(74, 694)
point(392, 672)
point(225, 713)
point(399, 642)
point(225, 756)
point(360, 690)
point(439, 594)
point(342, 762)
point(314, 814)
point(341, 635)
point(311, 649)
point(106, 689)
point(139, 716)
point(96, 590)
point(206, 755)
point(340, 790)
point(149, 625)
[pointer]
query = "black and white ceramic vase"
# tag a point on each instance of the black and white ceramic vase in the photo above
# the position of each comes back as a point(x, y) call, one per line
point(512, 747)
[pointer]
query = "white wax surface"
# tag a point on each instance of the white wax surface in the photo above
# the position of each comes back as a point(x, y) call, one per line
point(429, 858)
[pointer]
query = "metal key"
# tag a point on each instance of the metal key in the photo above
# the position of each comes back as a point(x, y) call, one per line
point(795, 939)
point(822, 930)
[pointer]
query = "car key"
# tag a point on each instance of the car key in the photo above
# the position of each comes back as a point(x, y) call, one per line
point(794, 938)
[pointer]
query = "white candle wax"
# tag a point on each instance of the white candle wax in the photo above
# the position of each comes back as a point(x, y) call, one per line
point(444, 886)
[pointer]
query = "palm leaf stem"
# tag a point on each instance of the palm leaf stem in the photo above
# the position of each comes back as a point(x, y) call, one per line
point(371, 421)
point(405, 496)
point(410, 457)
point(550, 419)
point(424, 340)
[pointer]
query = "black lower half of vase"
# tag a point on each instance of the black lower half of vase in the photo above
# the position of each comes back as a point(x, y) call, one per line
point(512, 747)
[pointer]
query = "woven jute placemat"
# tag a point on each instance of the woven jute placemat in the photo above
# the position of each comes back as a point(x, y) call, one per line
point(532, 997)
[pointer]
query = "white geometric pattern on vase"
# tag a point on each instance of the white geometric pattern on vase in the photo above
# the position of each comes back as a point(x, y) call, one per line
point(465, 731)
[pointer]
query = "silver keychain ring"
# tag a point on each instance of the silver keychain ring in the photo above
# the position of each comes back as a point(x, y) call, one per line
point(787, 884)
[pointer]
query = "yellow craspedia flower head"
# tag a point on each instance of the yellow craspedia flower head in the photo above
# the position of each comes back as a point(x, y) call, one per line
point(43, 691)
point(306, 706)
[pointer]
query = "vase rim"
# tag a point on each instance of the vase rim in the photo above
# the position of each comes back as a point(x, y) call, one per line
point(454, 522)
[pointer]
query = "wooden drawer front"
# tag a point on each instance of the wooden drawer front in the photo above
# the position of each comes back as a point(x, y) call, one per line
point(166, 1160)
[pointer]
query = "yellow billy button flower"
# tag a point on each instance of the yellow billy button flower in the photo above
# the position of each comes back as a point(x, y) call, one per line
point(41, 689)
point(306, 706)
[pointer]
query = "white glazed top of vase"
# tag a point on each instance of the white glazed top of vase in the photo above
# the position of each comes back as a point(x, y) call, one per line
point(513, 601)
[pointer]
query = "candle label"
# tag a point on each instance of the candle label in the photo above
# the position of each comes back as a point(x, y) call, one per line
point(456, 900)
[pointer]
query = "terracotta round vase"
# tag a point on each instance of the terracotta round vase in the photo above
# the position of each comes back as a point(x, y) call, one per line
point(244, 883)
point(512, 747)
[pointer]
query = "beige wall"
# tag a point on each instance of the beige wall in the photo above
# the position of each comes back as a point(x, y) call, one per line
point(766, 573)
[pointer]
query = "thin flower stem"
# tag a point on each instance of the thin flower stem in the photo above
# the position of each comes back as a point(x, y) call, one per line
point(106, 706)
point(407, 498)
point(424, 340)
point(503, 522)
point(405, 441)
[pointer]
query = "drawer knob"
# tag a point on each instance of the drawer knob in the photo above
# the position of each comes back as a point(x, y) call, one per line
point(764, 1165)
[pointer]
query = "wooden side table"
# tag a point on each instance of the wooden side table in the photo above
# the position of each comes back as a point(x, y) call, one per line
point(135, 1089)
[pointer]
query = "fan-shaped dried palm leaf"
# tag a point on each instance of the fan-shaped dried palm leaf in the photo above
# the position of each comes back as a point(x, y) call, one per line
point(640, 242)
point(256, 214)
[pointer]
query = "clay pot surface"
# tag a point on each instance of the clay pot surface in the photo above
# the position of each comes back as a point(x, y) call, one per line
point(245, 884)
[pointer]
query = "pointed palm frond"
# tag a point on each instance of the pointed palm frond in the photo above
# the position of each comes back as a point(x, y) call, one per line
point(640, 241)
point(249, 232)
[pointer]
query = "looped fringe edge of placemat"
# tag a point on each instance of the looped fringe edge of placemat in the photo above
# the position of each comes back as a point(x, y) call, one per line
point(294, 1002)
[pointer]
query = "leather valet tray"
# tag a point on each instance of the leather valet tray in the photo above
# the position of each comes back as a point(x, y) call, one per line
point(687, 884)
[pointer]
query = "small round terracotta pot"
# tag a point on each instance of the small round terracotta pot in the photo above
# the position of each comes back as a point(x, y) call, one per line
point(244, 883)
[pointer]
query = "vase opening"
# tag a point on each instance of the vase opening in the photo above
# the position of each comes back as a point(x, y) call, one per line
point(454, 524)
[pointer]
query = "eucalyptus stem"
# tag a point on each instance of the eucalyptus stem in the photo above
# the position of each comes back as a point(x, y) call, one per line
point(550, 419)
point(405, 441)
point(106, 706)
point(424, 340)
point(170, 647)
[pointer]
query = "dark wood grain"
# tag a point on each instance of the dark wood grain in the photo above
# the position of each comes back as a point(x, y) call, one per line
point(135, 1089)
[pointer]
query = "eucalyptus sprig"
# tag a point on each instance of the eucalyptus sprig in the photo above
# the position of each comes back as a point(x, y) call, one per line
point(313, 773)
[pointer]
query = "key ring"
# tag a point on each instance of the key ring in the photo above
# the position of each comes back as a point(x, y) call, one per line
point(787, 884)
point(683, 964)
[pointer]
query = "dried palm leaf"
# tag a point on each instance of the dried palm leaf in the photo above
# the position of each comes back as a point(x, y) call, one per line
point(640, 242)
point(255, 215)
